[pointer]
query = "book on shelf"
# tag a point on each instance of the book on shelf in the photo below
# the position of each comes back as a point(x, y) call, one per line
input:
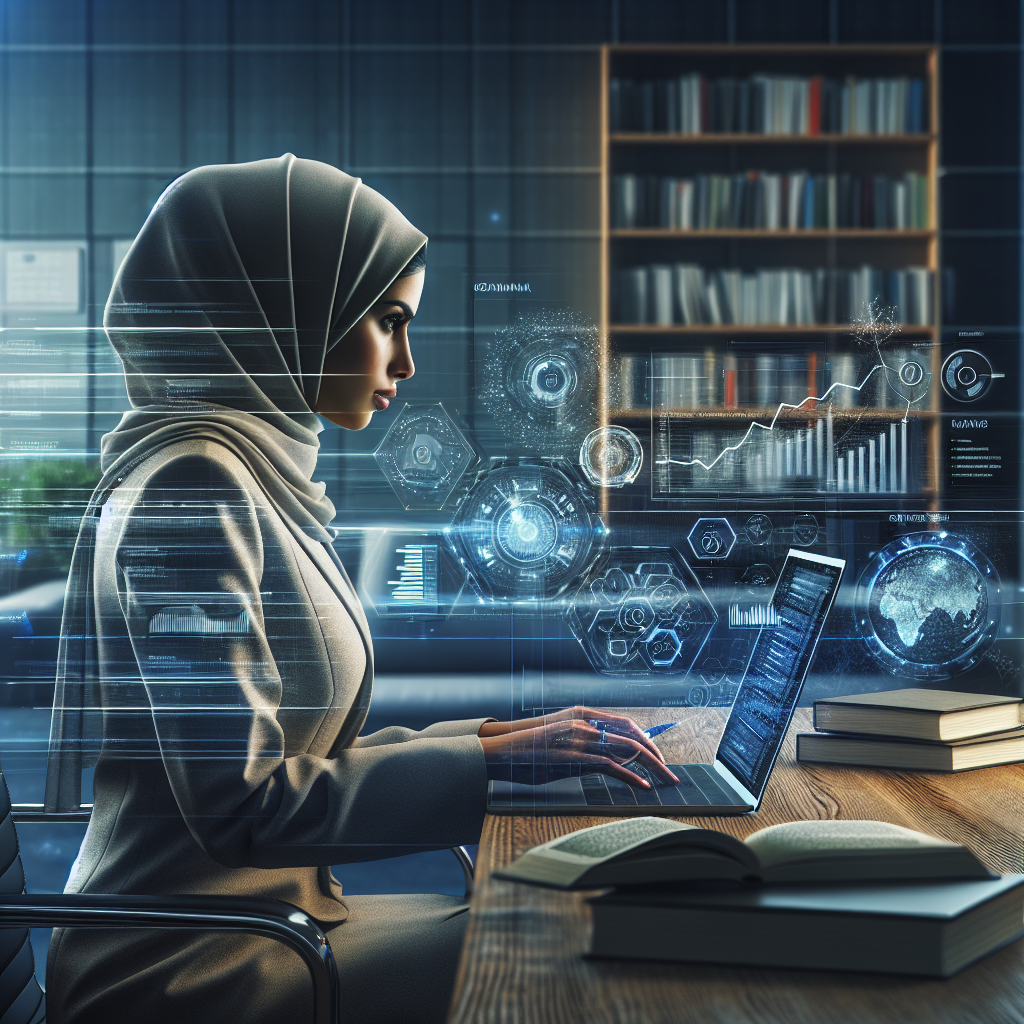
point(765, 104)
point(721, 380)
point(762, 200)
point(938, 715)
point(665, 295)
point(930, 928)
point(911, 755)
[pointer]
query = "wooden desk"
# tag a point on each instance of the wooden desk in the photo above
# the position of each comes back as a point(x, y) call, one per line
point(523, 962)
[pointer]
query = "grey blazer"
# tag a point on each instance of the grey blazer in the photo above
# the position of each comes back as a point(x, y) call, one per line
point(236, 667)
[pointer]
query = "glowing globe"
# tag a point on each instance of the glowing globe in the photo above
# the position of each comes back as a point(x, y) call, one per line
point(928, 605)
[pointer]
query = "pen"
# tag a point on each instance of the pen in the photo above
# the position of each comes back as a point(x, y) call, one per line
point(656, 730)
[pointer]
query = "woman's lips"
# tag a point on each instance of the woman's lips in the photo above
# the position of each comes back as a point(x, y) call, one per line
point(380, 401)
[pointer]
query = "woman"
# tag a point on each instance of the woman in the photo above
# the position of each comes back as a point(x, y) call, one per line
point(232, 662)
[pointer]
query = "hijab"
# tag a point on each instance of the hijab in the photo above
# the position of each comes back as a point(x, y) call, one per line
point(242, 279)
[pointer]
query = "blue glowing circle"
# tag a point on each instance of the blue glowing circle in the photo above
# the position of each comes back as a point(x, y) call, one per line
point(550, 380)
point(928, 605)
point(526, 532)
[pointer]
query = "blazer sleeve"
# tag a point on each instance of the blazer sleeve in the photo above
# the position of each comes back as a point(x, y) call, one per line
point(190, 559)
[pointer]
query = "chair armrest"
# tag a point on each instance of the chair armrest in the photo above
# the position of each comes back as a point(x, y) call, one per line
point(281, 921)
point(23, 813)
point(466, 863)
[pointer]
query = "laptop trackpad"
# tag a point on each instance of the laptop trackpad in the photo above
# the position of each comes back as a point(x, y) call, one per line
point(559, 793)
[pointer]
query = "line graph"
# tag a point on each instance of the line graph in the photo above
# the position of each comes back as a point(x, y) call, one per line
point(875, 326)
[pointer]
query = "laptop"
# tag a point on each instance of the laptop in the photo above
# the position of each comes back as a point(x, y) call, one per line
point(767, 696)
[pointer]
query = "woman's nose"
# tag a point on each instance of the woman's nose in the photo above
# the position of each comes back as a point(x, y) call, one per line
point(402, 366)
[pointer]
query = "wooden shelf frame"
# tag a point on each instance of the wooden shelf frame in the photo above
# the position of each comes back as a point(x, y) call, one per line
point(914, 332)
point(778, 234)
point(746, 55)
point(754, 139)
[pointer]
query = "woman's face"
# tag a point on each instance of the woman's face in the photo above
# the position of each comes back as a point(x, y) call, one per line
point(362, 370)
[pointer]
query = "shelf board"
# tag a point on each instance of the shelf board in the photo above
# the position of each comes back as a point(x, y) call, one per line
point(788, 49)
point(751, 138)
point(802, 234)
point(783, 329)
point(750, 413)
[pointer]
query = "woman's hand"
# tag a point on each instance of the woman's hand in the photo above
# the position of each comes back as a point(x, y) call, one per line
point(577, 740)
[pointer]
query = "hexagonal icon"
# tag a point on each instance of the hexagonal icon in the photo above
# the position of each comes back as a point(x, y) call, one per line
point(423, 456)
point(711, 538)
point(805, 530)
point(528, 531)
point(641, 613)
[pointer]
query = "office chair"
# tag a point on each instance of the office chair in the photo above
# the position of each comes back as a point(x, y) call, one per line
point(21, 998)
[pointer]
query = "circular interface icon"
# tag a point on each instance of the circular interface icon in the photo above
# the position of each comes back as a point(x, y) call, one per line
point(550, 380)
point(967, 375)
point(526, 531)
point(928, 605)
point(911, 373)
point(540, 381)
point(611, 456)
point(711, 542)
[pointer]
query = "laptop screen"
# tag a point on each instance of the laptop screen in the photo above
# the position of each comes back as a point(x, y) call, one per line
point(782, 654)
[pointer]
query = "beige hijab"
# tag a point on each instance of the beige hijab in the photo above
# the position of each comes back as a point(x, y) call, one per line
point(242, 279)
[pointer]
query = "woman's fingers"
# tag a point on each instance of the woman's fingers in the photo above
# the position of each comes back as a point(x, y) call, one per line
point(622, 726)
point(567, 741)
point(609, 767)
point(625, 750)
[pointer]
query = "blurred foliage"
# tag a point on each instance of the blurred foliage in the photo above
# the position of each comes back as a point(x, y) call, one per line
point(42, 501)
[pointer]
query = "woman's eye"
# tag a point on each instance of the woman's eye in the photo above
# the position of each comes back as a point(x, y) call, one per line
point(390, 323)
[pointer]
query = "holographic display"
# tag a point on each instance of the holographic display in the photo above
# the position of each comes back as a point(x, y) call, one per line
point(541, 381)
point(423, 456)
point(410, 574)
point(967, 375)
point(611, 457)
point(928, 605)
point(775, 674)
point(526, 530)
point(642, 613)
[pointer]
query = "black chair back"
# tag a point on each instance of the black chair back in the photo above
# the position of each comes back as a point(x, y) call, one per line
point(21, 998)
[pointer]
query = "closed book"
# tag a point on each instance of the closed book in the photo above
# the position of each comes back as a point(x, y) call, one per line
point(911, 755)
point(918, 714)
point(933, 929)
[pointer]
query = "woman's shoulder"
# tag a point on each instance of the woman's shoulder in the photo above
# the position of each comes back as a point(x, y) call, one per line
point(198, 466)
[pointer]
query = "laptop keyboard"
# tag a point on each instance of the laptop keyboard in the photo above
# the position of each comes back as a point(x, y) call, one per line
point(697, 787)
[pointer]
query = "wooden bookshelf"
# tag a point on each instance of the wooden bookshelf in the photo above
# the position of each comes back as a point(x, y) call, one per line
point(909, 331)
point(760, 139)
point(675, 154)
point(777, 234)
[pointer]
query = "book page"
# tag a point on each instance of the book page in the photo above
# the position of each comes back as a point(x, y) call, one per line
point(616, 837)
point(825, 840)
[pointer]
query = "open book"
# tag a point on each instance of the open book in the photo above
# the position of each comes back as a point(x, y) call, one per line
point(641, 851)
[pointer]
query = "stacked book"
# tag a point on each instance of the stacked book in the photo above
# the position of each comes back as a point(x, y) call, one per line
point(685, 293)
point(769, 105)
point(790, 201)
point(831, 895)
point(915, 730)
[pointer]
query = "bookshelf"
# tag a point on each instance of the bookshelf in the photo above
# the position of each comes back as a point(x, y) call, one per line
point(728, 199)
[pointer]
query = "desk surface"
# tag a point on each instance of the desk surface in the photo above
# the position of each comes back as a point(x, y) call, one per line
point(523, 956)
